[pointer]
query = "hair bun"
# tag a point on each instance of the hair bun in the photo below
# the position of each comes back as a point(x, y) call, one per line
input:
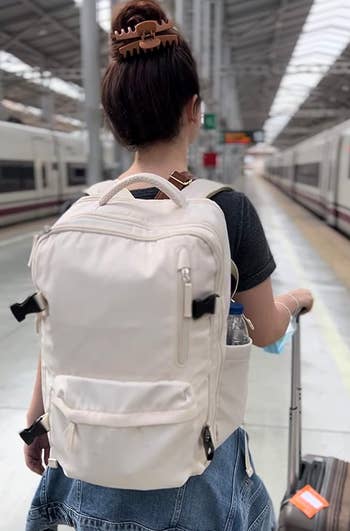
point(136, 11)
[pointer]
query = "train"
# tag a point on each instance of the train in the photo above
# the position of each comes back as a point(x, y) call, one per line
point(316, 173)
point(41, 169)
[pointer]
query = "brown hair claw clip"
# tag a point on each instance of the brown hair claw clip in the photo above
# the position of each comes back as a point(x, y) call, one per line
point(147, 35)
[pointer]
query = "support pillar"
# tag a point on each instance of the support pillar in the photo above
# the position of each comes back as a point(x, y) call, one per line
point(48, 108)
point(229, 97)
point(180, 14)
point(233, 154)
point(217, 62)
point(91, 78)
point(207, 33)
point(3, 111)
point(197, 30)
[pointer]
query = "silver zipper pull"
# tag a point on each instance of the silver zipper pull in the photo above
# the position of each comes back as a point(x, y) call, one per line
point(184, 266)
point(187, 287)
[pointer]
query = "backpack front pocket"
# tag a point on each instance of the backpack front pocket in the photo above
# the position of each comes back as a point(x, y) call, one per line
point(126, 434)
point(233, 389)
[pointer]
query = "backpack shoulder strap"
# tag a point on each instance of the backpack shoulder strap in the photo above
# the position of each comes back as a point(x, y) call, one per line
point(204, 188)
point(192, 187)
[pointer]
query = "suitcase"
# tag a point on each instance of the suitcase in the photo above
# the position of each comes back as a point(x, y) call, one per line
point(329, 476)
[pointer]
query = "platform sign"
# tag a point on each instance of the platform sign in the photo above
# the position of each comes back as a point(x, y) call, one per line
point(243, 137)
point(209, 121)
point(210, 159)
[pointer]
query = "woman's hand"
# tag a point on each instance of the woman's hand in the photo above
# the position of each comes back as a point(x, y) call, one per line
point(304, 298)
point(271, 319)
point(37, 453)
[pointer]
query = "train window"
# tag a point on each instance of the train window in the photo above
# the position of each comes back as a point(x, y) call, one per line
point(308, 173)
point(280, 171)
point(16, 176)
point(43, 175)
point(76, 174)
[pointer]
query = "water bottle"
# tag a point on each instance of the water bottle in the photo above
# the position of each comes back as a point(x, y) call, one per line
point(237, 332)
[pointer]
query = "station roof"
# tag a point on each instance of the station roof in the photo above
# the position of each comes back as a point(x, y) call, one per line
point(20, 90)
point(45, 37)
point(261, 36)
point(326, 106)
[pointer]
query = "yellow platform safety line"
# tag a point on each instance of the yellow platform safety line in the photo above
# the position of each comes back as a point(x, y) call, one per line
point(336, 344)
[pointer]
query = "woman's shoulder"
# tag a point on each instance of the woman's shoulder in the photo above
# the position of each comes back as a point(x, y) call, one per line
point(227, 199)
point(249, 247)
point(236, 207)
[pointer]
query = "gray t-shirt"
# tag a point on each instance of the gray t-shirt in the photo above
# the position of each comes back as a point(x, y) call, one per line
point(249, 248)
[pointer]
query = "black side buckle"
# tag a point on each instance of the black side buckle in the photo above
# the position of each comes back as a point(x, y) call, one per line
point(202, 306)
point(208, 443)
point(37, 428)
point(33, 304)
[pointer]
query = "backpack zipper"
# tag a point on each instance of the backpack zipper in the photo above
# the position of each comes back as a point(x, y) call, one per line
point(197, 230)
point(184, 305)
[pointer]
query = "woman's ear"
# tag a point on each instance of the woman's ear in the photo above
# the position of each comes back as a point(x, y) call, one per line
point(193, 110)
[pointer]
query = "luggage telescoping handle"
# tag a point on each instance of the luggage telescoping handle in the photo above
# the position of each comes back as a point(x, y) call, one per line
point(150, 178)
point(294, 442)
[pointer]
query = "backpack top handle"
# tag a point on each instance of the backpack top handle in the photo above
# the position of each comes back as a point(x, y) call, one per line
point(151, 178)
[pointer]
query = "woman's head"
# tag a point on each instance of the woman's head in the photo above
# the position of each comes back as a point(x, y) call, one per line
point(152, 96)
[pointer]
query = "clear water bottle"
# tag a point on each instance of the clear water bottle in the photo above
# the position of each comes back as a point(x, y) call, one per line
point(237, 332)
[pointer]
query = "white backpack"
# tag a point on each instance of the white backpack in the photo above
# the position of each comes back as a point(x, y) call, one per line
point(139, 386)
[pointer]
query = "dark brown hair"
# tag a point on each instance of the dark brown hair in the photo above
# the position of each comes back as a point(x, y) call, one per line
point(144, 95)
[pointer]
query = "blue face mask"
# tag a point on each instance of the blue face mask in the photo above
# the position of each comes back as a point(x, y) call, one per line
point(278, 346)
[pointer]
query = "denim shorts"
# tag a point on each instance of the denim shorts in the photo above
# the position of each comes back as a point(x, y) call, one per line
point(223, 498)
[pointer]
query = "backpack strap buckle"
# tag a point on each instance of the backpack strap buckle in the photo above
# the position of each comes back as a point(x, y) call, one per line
point(35, 303)
point(39, 427)
point(202, 306)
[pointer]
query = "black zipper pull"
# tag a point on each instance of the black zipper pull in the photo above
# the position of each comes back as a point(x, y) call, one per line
point(208, 443)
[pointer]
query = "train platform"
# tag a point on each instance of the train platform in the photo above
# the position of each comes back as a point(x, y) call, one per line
point(308, 254)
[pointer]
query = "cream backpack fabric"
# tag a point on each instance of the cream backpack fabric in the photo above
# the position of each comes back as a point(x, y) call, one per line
point(139, 387)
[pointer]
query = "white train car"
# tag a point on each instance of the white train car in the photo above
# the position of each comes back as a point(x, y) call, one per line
point(41, 169)
point(316, 173)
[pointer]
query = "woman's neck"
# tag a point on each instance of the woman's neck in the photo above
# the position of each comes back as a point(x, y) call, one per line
point(161, 159)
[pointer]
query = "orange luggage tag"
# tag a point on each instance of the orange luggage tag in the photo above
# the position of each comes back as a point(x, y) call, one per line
point(309, 501)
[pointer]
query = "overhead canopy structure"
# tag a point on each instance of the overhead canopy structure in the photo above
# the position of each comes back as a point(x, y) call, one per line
point(256, 40)
point(24, 91)
point(326, 106)
point(45, 35)
point(262, 37)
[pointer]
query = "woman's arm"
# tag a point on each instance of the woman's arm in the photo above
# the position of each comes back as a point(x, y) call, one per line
point(36, 407)
point(269, 314)
point(38, 451)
